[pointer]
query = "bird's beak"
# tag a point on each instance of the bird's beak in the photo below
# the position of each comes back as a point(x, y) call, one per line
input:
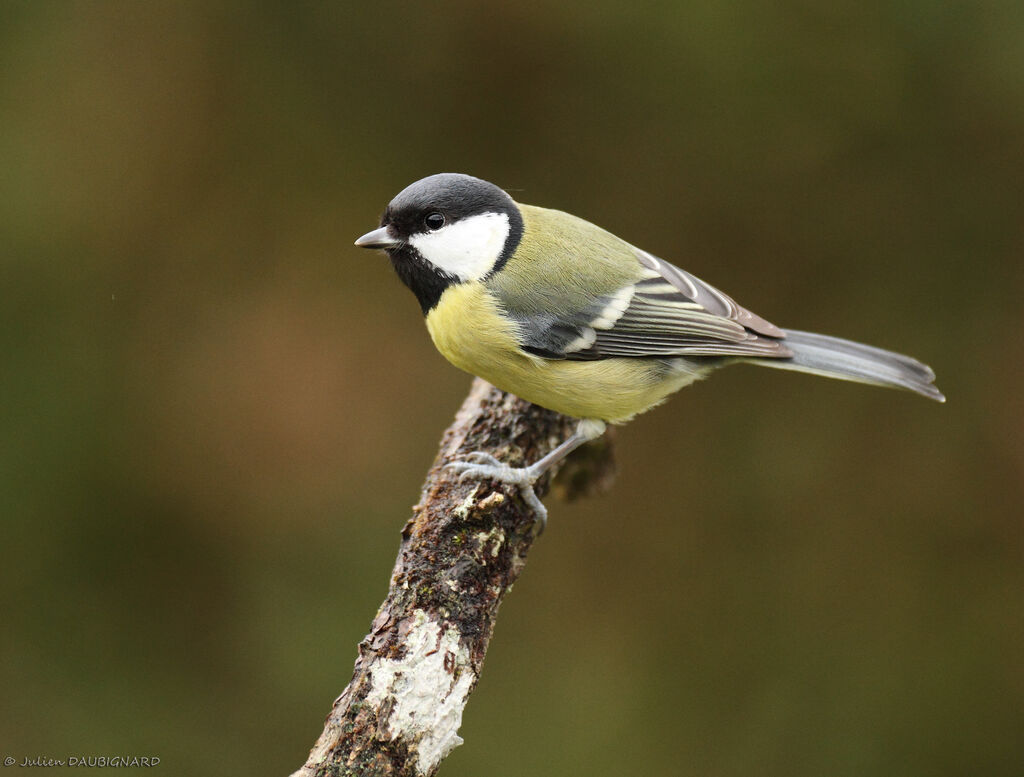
point(379, 238)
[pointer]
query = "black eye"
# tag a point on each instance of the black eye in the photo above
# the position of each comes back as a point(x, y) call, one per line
point(433, 221)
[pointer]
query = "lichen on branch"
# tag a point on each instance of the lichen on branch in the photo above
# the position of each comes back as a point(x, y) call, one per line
point(461, 551)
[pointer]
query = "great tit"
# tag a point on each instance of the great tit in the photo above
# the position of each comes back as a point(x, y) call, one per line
point(568, 316)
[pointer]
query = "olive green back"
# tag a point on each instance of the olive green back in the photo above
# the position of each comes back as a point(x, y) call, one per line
point(562, 263)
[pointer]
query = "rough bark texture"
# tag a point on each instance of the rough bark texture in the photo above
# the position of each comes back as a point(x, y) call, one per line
point(461, 551)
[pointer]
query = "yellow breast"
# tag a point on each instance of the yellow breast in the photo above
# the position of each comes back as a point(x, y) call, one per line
point(469, 330)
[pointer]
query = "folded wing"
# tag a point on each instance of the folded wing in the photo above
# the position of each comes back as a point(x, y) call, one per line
point(667, 312)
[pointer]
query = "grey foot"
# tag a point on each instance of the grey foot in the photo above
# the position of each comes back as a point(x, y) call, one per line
point(483, 466)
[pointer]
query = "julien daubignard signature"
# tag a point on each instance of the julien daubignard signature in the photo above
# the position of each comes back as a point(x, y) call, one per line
point(94, 761)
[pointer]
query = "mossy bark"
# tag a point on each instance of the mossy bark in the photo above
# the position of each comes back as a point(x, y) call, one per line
point(463, 548)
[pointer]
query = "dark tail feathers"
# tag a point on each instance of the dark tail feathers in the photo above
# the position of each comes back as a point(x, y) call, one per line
point(847, 360)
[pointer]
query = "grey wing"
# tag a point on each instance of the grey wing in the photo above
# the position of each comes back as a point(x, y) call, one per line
point(668, 312)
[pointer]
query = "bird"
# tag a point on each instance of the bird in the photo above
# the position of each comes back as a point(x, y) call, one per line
point(562, 313)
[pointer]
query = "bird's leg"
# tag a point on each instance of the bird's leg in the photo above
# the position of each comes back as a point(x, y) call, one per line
point(483, 466)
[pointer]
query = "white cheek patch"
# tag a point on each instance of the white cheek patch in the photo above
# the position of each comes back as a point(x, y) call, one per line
point(467, 249)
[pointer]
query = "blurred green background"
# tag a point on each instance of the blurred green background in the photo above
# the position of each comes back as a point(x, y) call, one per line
point(216, 412)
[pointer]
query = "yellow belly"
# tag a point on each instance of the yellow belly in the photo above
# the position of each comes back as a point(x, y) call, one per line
point(469, 331)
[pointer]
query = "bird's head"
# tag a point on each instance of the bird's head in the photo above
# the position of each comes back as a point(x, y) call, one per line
point(446, 229)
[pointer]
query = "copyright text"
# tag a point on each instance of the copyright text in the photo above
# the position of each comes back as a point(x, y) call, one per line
point(88, 761)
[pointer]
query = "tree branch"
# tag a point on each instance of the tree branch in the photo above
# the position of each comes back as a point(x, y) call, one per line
point(462, 550)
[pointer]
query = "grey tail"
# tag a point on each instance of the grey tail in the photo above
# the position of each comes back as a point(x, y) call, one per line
point(847, 360)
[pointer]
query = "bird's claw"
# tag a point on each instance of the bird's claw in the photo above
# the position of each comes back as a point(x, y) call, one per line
point(491, 470)
point(533, 501)
point(483, 466)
